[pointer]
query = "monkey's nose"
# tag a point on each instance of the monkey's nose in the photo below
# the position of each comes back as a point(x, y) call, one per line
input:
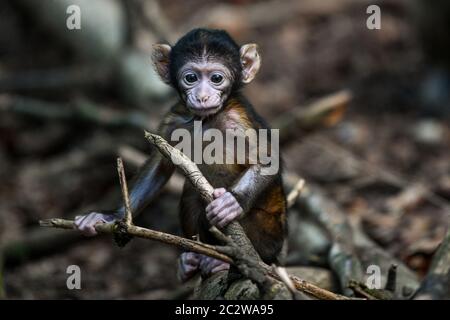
point(202, 99)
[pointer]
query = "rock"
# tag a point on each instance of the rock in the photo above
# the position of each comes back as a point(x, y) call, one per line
point(242, 289)
point(103, 25)
point(429, 132)
point(212, 288)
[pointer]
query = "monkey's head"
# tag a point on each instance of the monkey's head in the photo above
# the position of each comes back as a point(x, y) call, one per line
point(205, 66)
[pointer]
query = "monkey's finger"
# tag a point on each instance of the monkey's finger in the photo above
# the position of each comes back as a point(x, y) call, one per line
point(218, 192)
point(190, 260)
point(77, 220)
point(212, 208)
point(212, 205)
point(228, 208)
point(89, 231)
point(88, 220)
point(85, 223)
point(225, 205)
point(204, 262)
point(81, 222)
point(184, 272)
point(215, 217)
point(205, 269)
point(227, 219)
point(220, 267)
point(87, 226)
point(214, 265)
point(222, 202)
point(97, 218)
point(209, 207)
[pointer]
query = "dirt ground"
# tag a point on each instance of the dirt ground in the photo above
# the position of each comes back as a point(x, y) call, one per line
point(383, 146)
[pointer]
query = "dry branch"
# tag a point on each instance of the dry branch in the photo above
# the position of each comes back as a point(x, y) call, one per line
point(342, 257)
point(126, 199)
point(238, 245)
point(325, 111)
point(138, 232)
point(295, 192)
point(194, 246)
point(284, 277)
point(234, 229)
point(248, 265)
point(313, 199)
point(203, 187)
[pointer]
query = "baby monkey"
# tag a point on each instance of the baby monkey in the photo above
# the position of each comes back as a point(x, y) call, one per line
point(208, 69)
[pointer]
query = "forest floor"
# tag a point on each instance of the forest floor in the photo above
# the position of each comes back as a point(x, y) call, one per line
point(381, 162)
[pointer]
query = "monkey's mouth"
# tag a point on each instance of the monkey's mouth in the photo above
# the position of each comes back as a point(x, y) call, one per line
point(204, 111)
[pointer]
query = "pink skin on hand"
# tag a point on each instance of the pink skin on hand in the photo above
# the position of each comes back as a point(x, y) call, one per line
point(224, 209)
point(86, 224)
point(191, 262)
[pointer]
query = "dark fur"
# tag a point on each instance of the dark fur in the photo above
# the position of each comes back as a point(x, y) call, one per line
point(261, 197)
point(200, 43)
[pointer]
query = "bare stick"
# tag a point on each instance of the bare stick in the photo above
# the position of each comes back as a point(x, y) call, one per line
point(325, 111)
point(109, 228)
point(189, 168)
point(295, 192)
point(284, 277)
point(234, 229)
point(204, 188)
point(128, 218)
point(237, 235)
point(194, 246)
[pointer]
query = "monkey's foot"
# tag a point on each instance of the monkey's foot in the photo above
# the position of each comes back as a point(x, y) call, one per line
point(188, 265)
point(210, 265)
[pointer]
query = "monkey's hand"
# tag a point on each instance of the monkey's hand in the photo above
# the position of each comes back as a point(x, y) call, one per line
point(188, 265)
point(224, 209)
point(86, 224)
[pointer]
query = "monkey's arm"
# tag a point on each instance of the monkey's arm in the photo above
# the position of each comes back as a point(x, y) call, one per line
point(251, 185)
point(152, 176)
point(156, 171)
point(240, 198)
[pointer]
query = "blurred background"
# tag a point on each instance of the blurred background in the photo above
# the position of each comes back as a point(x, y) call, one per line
point(71, 101)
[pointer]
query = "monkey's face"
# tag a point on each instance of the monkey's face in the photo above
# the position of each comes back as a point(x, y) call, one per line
point(204, 86)
point(205, 66)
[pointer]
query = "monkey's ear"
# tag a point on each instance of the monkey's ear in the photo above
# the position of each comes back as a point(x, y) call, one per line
point(250, 60)
point(160, 59)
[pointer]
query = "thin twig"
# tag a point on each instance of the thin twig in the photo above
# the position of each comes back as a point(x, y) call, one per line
point(295, 192)
point(194, 246)
point(128, 218)
point(246, 263)
point(234, 229)
point(144, 233)
point(284, 277)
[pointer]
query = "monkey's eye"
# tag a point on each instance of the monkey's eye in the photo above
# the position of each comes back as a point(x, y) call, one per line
point(190, 78)
point(216, 78)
